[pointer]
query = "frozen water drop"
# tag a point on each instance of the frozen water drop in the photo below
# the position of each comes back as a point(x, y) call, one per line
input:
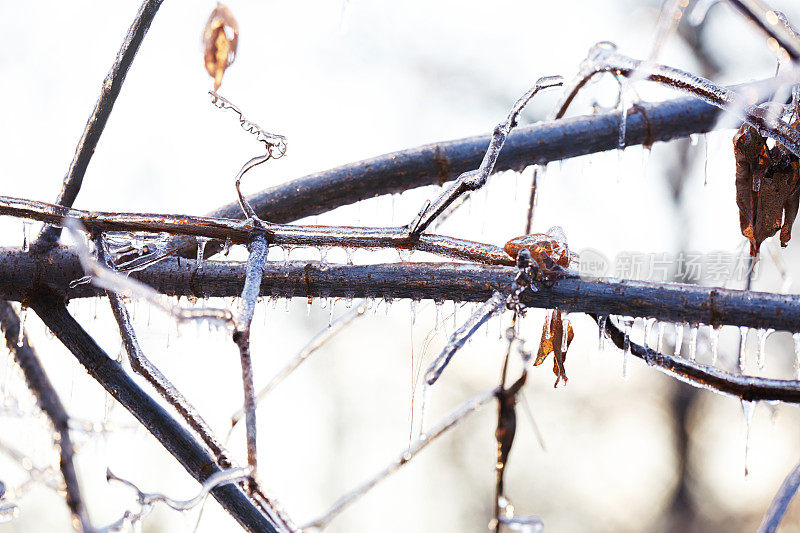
point(201, 250)
point(763, 335)
point(714, 336)
point(601, 328)
point(693, 342)
point(678, 339)
point(748, 408)
point(743, 330)
point(796, 338)
point(694, 138)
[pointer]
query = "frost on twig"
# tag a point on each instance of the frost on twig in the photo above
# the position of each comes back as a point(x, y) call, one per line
point(147, 500)
point(454, 418)
point(475, 179)
point(274, 144)
point(105, 278)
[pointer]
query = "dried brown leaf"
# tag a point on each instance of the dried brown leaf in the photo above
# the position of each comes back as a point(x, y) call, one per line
point(219, 41)
point(552, 342)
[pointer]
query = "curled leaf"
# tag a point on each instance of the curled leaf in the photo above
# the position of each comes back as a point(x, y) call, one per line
point(766, 187)
point(549, 250)
point(219, 42)
point(555, 341)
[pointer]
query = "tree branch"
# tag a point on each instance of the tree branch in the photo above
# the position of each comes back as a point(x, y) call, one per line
point(102, 110)
point(48, 401)
point(190, 453)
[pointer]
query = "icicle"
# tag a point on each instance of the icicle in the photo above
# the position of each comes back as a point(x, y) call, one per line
point(648, 327)
point(763, 335)
point(404, 254)
point(627, 322)
point(387, 301)
point(331, 305)
point(678, 339)
point(201, 250)
point(226, 248)
point(23, 315)
point(694, 138)
point(601, 328)
point(748, 408)
point(796, 338)
point(660, 342)
point(693, 342)
point(705, 160)
point(423, 408)
point(350, 252)
point(413, 306)
point(309, 302)
point(437, 323)
point(714, 336)
point(623, 125)
point(742, 348)
point(26, 229)
point(287, 251)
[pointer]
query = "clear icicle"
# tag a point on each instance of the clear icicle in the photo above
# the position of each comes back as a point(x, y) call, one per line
point(459, 337)
point(748, 408)
point(601, 328)
point(627, 324)
point(693, 342)
point(423, 409)
point(705, 160)
point(226, 248)
point(714, 337)
point(23, 315)
point(648, 327)
point(413, 308)
point(660, 341)
point(796, 338)
point(201, 250)
point(26, 230)
point(678, 339)
point(763, 335)
point(743, 330)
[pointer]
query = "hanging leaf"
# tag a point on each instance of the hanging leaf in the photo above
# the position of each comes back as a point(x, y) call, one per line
point(219, 41)
point(554, 341)
point(766, 187)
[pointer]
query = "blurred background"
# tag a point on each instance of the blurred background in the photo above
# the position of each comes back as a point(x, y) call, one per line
point(347, 80)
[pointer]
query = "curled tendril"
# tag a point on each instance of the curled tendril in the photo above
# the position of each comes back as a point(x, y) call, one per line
point(275, 146)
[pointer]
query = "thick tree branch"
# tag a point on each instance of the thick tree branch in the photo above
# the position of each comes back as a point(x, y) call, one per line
point(21, 275)
point(102, 110)
point(190, 453)
point(48, 401)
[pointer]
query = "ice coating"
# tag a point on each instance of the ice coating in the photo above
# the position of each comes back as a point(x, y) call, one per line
point(551, 245)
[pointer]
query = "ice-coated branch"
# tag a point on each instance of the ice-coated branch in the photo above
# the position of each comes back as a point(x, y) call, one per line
point(475, 179)
point(437, 163)
point(275, 146)
point(781, 502)
point(21, 276)
point(147, 500)
point(102, 110)
point(48, 401)
point(241, 336)
point(746, 388)
point(450, 421)
point(603, 57)
point(236, 232)
point(490, 307)
point(194, 457)
point(316, 342)
point(142, 365)
point(773, 23)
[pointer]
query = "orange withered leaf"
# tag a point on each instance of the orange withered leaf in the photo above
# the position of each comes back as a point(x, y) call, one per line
point(553, 341)
point(219, 41)
point(766, 187)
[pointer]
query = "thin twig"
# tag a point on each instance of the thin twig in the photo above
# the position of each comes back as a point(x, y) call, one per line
point(475, 179)
point(772, 23)
point(48, 401)
point(194, 457)
point(241, 336)
point(102, 110)
point(453, 419)
point(781, 502)
point(145, 368)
